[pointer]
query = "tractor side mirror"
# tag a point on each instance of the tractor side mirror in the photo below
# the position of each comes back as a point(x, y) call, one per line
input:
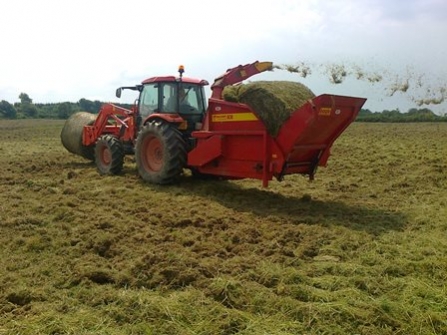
point(118, 92)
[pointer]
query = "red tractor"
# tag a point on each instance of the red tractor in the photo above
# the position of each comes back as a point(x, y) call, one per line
point(173, 127)
point(157, 129)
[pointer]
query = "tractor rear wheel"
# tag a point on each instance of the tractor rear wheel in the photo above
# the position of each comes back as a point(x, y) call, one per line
point(160, 153)
point(109, 155)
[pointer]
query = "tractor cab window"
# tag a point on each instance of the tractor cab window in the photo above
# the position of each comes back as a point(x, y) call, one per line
point(169, 92)
point(189, 97)
point(148, 100)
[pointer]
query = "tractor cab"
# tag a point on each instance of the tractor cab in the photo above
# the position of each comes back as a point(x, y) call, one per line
point(169, 97)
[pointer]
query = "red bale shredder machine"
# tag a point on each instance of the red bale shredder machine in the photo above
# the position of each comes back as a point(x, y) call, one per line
point(173, 126)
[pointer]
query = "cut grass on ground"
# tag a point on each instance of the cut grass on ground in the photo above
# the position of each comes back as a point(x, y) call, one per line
point(360, 250)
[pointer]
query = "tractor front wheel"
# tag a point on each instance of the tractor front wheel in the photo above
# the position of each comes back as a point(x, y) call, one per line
point(109, 155)
point(160, 153)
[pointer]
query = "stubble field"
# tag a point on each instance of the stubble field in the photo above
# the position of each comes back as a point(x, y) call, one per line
point(360, 250)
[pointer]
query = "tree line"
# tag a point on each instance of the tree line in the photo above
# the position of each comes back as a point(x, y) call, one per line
point(395, 115)
point(63, 110)
point(26, 109)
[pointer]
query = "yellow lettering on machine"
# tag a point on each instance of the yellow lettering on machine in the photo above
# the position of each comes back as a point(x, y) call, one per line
point(233, 117)
point(325, 111)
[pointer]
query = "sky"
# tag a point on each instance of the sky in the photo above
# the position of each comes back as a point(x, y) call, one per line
point(64, 50)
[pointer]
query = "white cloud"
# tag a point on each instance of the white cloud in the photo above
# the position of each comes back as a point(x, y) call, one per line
point(67, 50)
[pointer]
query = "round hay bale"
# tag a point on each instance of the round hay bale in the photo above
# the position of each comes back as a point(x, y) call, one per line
point(273, 101)
point(71, 134)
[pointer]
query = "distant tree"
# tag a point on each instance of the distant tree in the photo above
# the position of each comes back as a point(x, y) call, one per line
point(64, 110)
point(86, 105)
point(413, 115)
point(422, 114)
point(97, 106)
point(364, 112)
point(90, 106)
point(391, 113)
point(25, 99)
point(26, 106)
point(29, 110)
point(7, 110)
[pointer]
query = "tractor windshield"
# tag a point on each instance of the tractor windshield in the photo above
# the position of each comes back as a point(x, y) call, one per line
point(148, 102)
point(183, 98)
point(172, 97)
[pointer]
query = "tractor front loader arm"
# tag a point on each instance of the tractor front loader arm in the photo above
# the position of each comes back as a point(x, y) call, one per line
point(111, 119)
point(236, 75)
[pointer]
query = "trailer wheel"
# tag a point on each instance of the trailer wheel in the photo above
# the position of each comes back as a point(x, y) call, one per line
point(109, 155)
point(160, 153)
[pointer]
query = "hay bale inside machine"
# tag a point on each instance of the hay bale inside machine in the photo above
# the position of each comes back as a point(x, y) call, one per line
point(273, 101)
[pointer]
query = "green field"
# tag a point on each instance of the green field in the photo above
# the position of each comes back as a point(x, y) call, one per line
point(360, 250)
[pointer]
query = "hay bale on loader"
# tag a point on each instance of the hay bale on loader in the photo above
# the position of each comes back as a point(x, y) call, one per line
point(273, 101)
point(71, 134)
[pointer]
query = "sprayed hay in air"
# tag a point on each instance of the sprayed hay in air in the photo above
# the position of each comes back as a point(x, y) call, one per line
point(71, 134)
point(337, 73)
point(410, 84)
point(399, 86)
point(273, 101)
point(301, 69)
point(434, 97)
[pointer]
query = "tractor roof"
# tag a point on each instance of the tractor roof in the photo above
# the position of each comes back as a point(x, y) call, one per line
point(175, 79)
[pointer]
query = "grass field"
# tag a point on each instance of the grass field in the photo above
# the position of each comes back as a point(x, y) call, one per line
point(360, 250)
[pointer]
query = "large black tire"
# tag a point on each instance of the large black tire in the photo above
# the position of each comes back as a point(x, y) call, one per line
point(160, 153)
point(109, 155)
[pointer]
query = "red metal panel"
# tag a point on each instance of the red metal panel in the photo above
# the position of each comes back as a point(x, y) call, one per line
point(244, 154)
point(231, 116)
point(246, 150)
point(308, 135)
point(206, 151)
